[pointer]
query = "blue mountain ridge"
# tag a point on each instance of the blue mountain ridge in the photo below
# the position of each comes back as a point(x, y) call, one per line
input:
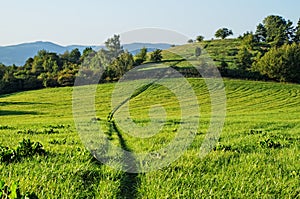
point(18, 54)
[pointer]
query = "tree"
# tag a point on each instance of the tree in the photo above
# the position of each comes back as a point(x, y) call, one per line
point(141, 56)
point(114, 46)
point(87, 54)
point(156, 55)
point(244, 58)
point(281, 63)
point(74, 56)
point(261, 33)
point(123, 63)
point(297, 33)
point(223, 33)
point(249, 41)
point(197, 51)
point(199, 38)
point(190, 41)
point(275, 30)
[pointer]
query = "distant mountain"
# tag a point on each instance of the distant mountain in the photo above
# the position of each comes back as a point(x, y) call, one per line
point(18, 54)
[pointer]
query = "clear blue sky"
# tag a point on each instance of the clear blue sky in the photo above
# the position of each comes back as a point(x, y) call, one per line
point(91, 22)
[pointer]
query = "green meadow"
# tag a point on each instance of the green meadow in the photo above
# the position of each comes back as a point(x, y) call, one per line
point(256, 156)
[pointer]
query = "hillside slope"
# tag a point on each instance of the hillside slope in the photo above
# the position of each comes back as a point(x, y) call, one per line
point(256, 156)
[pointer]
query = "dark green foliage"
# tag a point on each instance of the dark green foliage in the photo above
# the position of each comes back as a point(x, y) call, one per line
point(275, 30)
point(7, 155)
point(141, 56)
point(38, 132)
point(261, 33)
point(244, 58)
point(281, 64)
point(223, 65)
point(74, 56)
point(190, 41)
point(156, 56)
point(58, 142)
point(250, 41)
point(26, 148)
point(221, 147)
point(123, 63)
point(199, 38)
point(268, 143)
point(223, 33)
point(297, 33)
point(5, 127)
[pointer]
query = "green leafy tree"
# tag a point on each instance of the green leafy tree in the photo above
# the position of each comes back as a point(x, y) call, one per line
point(199, 38)
point(114, 46)
point(112, 51)
point(156, 56)
point(276, 30)
point(297, 33)
point(190, 41)
point(261, 33)
point(281, 63)
point(223, 33)
point(123, 63)
point(74, 56)
point(141, 56)
point(244, 58)
point(249, 41)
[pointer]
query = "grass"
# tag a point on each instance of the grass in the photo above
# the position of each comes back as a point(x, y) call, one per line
point(244, 163)
point(218, 50)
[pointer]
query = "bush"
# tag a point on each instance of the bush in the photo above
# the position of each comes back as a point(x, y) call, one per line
point(281, 64)
point(244, 59)
point(156, 56)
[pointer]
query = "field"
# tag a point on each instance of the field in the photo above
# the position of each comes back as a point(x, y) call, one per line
point(257, 154)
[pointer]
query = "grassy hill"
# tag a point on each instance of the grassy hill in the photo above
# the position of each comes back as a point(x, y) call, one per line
point(218, 50)
point(257, 154)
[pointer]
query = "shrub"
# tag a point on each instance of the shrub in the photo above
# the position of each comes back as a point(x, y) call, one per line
point(281, 64)
point(156, 56)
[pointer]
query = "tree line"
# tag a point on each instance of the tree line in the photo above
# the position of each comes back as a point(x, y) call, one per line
point(48, 69)
point(273, 51)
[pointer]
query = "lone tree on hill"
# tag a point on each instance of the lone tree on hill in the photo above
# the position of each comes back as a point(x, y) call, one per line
point(199, 38)
point(190, 41)
point(223, 33)
point(156, 55)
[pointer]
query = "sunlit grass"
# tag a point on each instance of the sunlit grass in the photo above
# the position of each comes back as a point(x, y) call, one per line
point(244, 163)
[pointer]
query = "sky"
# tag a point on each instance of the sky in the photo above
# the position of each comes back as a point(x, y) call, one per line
point(91, 22)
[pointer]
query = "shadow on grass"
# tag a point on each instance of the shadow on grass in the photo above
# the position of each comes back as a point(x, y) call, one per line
point(21, 103)
point(129, 181)
point(11, 113)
